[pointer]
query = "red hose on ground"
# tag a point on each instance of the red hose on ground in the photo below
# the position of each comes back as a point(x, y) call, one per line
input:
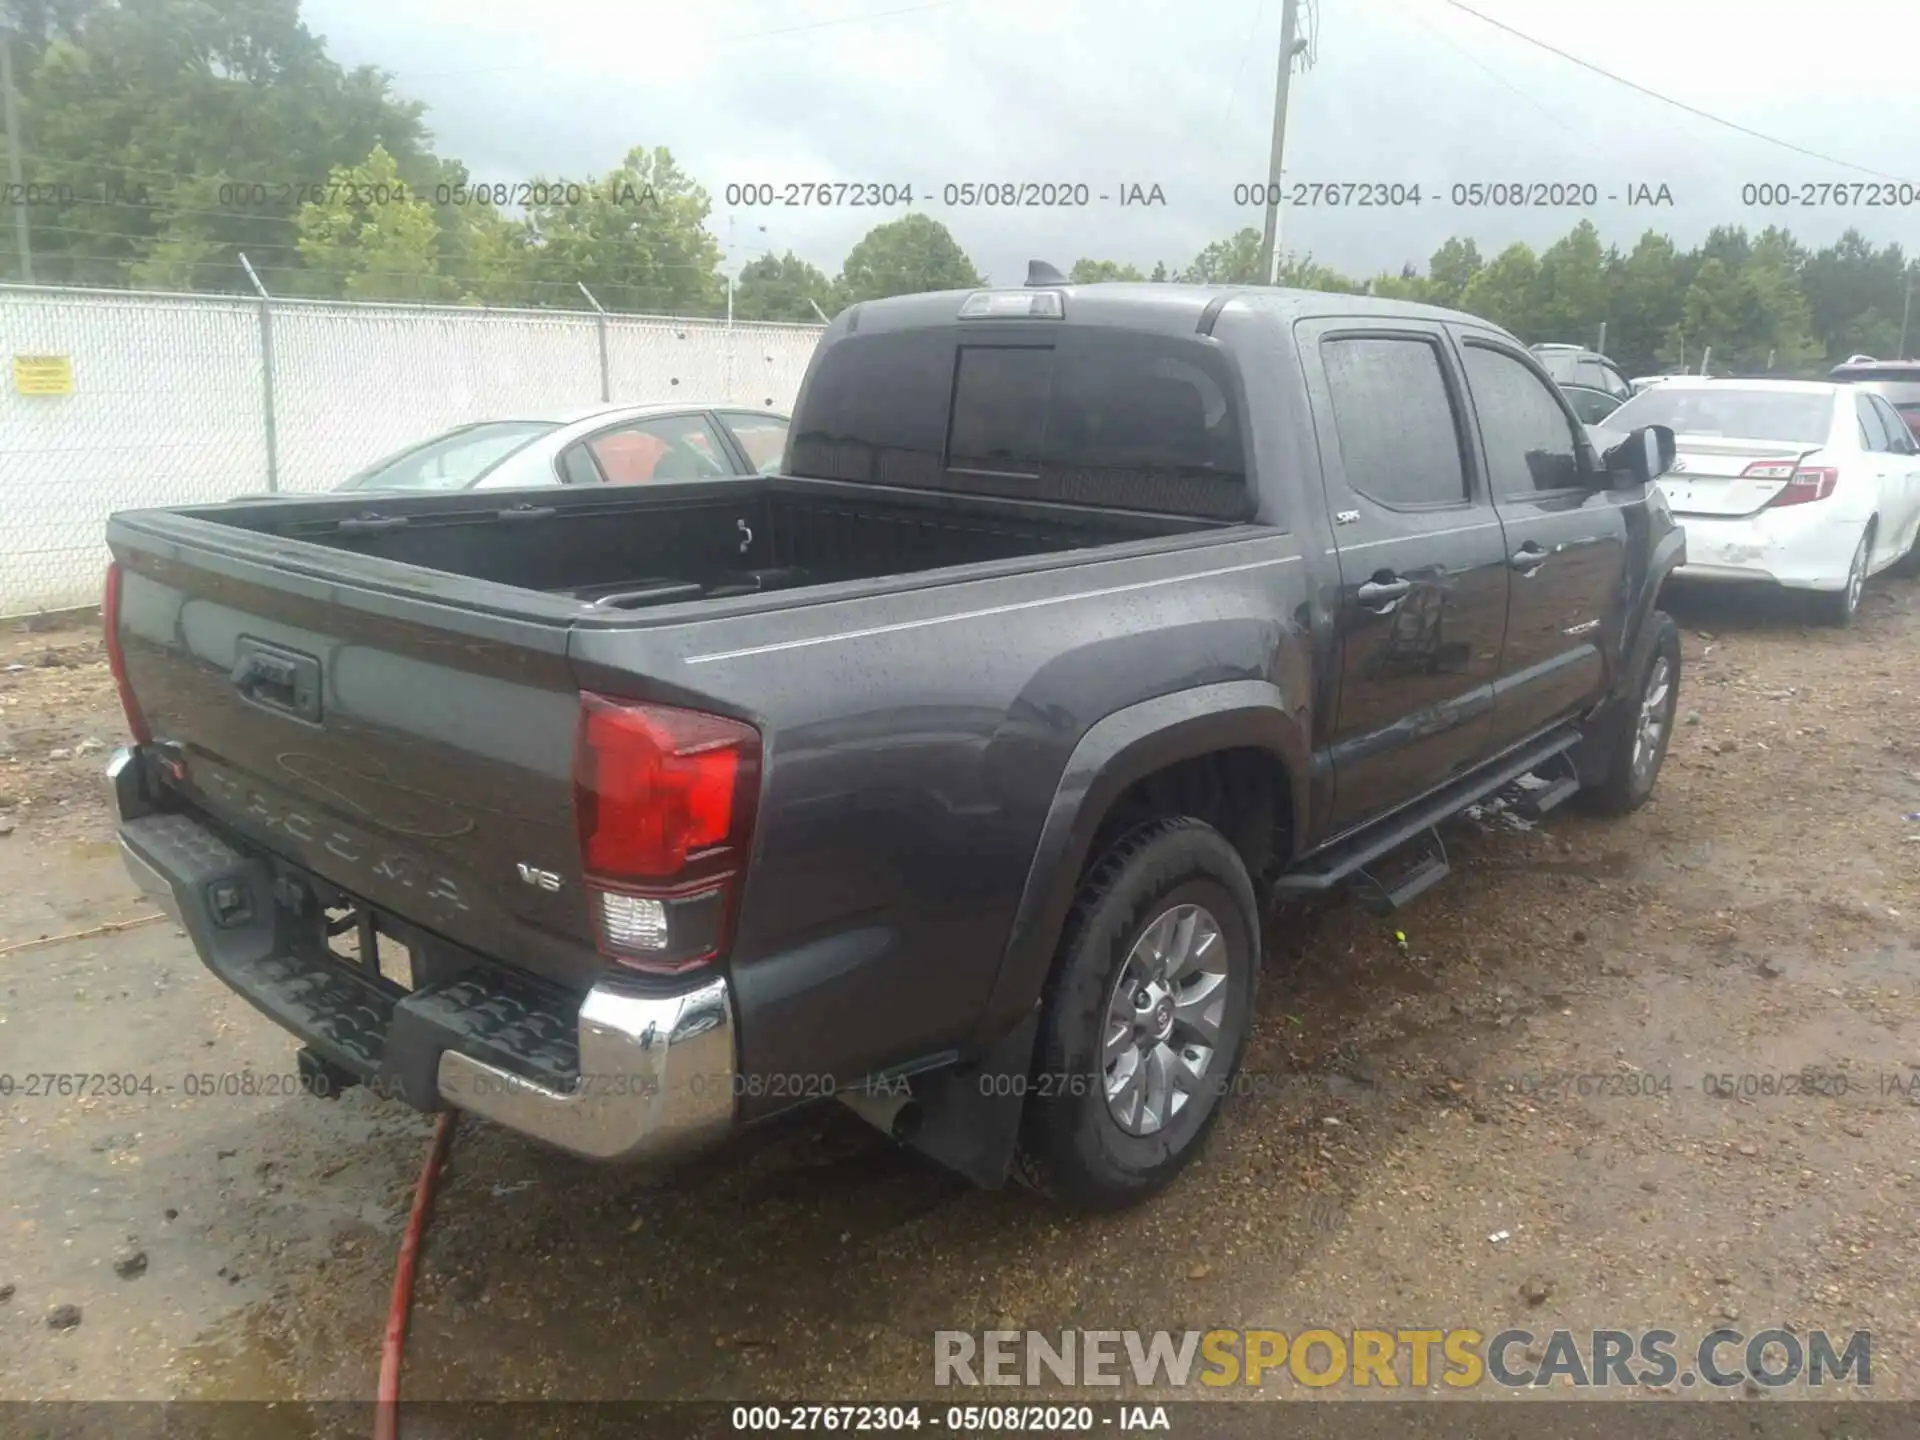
point(386, 1413)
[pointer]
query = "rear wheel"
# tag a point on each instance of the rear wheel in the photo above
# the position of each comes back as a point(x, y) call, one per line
point(1908, 564)
point(1147, 1018)
point(1838, 607)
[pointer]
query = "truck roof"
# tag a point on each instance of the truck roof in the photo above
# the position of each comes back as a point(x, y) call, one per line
point(1148, 305)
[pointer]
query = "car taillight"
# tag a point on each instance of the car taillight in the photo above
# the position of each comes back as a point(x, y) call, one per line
point(117, 659)
point(664, 802)
point(1803, 486)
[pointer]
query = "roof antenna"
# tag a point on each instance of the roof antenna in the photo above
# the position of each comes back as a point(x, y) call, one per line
point(1041, 273)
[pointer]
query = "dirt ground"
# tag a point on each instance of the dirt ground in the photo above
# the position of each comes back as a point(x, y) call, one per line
point(1757, 919)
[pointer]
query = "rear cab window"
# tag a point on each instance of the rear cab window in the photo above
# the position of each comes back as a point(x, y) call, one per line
point(1086, 415)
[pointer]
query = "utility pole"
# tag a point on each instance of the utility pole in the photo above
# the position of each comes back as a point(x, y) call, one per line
point(1906, 310)
point(12, 116)
point(1290, 45)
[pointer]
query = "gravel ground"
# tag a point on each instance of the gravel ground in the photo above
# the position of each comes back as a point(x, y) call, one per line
point(218, 1238)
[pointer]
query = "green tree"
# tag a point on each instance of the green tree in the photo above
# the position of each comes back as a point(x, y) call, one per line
point(1091, 272)
point(36, 23)
point(1159, 275)
point(908, 256)
point(1644, 302)
point(1570, 293)
point(1301, 272)
point(1855, 295)
point(1711, 314)
point(1777, 329)
point(134, 107)
point(1233, 261)
point(1450, 270)
point(1409, 284)
point(786, 288)
point(1503, 290)
point(636, 237)
point(366, 237)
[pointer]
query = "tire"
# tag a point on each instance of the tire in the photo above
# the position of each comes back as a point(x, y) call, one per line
point(1908, 565)
point(1075, 1145)
point(1838, 607)
point(1646, 721)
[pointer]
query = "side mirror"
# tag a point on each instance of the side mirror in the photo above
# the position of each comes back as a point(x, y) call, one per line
point(1643, 457)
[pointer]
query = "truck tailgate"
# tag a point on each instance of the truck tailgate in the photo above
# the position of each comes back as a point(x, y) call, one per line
point(413, 752)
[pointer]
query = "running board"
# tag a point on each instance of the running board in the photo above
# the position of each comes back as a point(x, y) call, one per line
point(1536, 803)
point(1382, 895)
point(1347, 857)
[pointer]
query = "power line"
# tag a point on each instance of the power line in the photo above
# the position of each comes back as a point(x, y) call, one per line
point(1499, 79)
point(1246, 49)
point(1735, 125)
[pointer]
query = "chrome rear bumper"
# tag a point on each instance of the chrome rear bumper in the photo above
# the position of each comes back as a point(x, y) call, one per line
point(651, 1075)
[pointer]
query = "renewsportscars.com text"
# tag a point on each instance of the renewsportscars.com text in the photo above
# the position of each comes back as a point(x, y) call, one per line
point(1458, 1358)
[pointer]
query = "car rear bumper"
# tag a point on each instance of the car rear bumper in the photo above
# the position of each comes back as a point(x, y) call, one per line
point(1799, 551)
point(616, 1075)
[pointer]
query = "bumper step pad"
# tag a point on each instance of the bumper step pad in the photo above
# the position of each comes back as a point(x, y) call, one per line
point(366, 1029)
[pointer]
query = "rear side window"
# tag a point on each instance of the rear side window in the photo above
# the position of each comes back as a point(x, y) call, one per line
point(1399, 438)
point(1093, 416)
point(1899, 427)
point(1873, 434)
point(762, 437)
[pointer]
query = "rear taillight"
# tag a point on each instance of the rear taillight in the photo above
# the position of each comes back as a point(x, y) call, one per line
point(117, 658)
point(1803, 486)
point(664, 800)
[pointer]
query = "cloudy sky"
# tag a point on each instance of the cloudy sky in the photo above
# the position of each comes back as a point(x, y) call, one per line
point(1118, 92)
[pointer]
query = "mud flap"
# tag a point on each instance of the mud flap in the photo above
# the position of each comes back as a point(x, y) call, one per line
point(969, 1116)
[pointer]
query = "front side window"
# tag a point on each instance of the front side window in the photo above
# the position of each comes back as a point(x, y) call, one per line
point(1530, 443)
point(1591, 406)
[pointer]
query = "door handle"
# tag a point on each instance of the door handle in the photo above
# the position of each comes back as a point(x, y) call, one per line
point(287, 682)
point(1383, 592)
point(1529, 558)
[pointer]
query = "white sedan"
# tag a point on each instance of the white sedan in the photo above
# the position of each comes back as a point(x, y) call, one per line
point(1811, 485)
point(599, 445)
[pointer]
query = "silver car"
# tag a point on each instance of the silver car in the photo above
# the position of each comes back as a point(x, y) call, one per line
point(601, 445)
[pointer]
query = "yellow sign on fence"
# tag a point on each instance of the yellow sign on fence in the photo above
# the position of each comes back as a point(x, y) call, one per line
point(43, 374)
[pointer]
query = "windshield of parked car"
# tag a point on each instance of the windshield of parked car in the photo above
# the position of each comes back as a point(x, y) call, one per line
point(1787, 416)
point(452, 461)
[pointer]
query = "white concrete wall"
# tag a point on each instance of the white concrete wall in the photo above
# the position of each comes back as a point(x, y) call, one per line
point(168, 401)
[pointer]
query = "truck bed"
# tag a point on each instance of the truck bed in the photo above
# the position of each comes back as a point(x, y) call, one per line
point(383, 692)
point(631, 548)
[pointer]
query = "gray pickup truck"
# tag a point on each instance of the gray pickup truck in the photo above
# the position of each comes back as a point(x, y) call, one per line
point(943, 772)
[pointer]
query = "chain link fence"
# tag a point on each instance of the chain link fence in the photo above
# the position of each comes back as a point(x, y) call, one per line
point(184, 399)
